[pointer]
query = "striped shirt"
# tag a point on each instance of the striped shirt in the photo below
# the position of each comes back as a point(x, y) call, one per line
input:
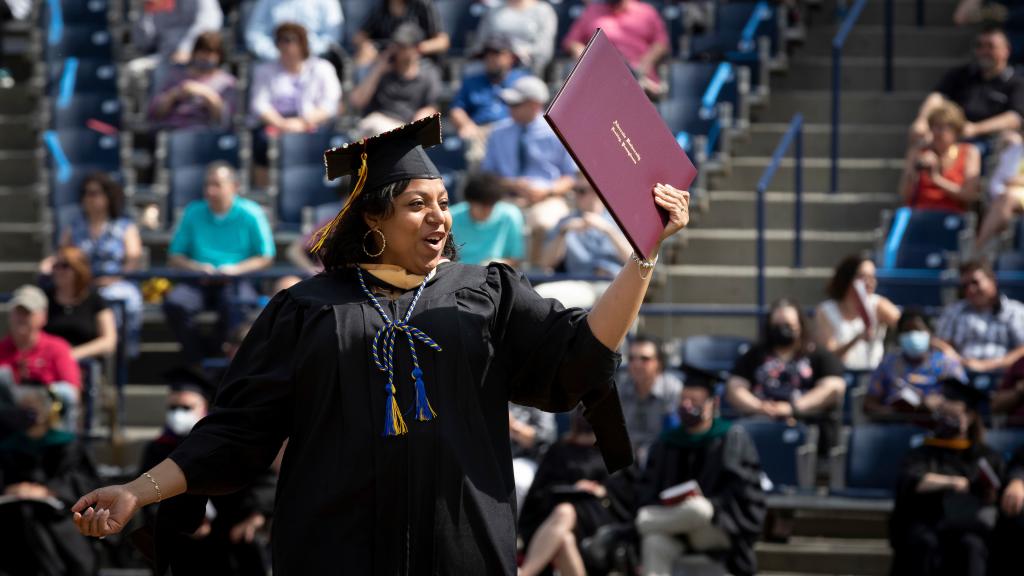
point(983, 334)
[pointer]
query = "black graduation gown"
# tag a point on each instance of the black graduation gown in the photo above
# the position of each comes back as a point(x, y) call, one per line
point(1009, 534)
point(35, 538)
point(728, 470)
point(439, 500)
point(940, 532)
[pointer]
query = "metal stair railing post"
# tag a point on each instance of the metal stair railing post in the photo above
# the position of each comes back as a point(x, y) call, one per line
point(837, 52)
point(794, 136)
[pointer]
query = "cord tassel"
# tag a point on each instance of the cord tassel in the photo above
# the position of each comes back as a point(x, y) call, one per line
point(424, 411)
point(394, 424)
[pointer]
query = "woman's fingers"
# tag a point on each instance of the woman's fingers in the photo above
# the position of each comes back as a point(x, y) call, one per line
point(85, 501)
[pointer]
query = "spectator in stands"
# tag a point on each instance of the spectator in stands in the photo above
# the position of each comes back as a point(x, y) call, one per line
point(725, 516)
point(387, 17)
point(478, 104)
point(1009, 398)
point(988, 90)
point(648, 393)
point(297, 93)
point(1006, 197)
point(167, 31)
point(111, 242)
point(200, 94)
point(985, 328)
point(943, 174)
point(786, 375)
point(401, 87)
point(906, 383)
point(531, 431)
point(487, 228)
point(530, 24)
point(634, 27)
point(839, 321)
point(945, 499)
point(571, 498)
point(321, 20)
point(1009, 533)
point(43, 470)
point(77, 313)
point(220, 237)
point(29, 355)
point(525, 152)
point(975, 11)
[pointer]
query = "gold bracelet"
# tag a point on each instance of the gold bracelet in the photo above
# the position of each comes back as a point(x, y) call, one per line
point(646, 266)
point(159, 494)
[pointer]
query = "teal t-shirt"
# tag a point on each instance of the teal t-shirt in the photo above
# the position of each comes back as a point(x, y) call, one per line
point(500, 236)
point(241, 233)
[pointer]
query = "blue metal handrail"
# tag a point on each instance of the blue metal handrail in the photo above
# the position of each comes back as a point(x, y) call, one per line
point(837, 52)
point(794, 136)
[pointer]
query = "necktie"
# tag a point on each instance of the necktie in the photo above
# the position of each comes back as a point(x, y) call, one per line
point(522, 152)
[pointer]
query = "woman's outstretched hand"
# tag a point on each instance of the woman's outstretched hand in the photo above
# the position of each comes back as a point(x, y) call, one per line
point(105, 511)
point(677, 203)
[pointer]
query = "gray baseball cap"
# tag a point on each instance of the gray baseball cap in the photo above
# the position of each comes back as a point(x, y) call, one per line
point(527, 88)
point(30, 298)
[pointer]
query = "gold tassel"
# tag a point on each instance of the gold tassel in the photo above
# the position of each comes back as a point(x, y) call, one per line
point(397, 422)
point(325, 232)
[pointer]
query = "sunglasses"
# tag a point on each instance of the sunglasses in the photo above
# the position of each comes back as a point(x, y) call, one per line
point(638, 358)
point(61, 266)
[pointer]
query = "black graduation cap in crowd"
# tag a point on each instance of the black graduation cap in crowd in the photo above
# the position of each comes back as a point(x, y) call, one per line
point(701, 378)
point(954, 389)
point(191, 379)
point(379, 160)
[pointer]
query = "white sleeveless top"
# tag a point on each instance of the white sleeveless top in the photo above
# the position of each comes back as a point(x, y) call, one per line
point(864, 355)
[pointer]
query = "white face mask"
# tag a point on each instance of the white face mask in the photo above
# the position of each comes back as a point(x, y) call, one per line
point(181, 421)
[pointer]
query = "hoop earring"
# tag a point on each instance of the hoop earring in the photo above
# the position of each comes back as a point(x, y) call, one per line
point(383, 242)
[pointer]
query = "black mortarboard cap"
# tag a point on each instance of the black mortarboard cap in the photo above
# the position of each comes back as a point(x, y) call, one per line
point(699, 377)
point(954, 389)
point(190, 379)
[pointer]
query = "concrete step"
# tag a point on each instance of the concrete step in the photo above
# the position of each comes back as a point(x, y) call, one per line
point(670, 327)
point(821, 211)
point(155, 359)
point(18, 133)
point(145, 404)
point(868, 557)
point(14, 274)
point(936, 13)
point(855, 175)
point(844, 524)
point(908, 41)
point(20, 168)
point(855, 140)
point(25, 241)
point(736, 285)
point(129, 452)
point(738, 247)
point(857, 106)
point(864, 73)
point(17, 100)
point(20, 204)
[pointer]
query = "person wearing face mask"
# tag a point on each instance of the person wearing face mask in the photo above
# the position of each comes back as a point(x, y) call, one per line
point(199, 94)
point(906, 383)
point(726, 518)
point(945, 505)
point(786, 375)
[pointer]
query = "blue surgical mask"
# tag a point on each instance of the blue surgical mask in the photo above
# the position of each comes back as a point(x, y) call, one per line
point(915, 343)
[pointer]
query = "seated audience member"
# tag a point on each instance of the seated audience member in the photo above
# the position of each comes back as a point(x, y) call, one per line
point(634, 27)
point(976, 11)
point(785, 375)
point(529, 24)
point(942, 174)
point(321, 19)
point(985, 328)
point(29, 355)
point(1008, 399)
point(1009, 533)
point(219, 236)
point(725, 518)
point(401, 87)
point(43, 470)
point(77, 313)
point(648, 393)
point(166, 32)
point(199, 94)
point(1006, 197)
point(526, 153)
point(224, 542)
point(297, 93)
point(988, 90)
point(386, 18)
point(111, 242)
point(906, 383)
point(571, 498)
point(487, 228)
point(840, 326)
point(478, 104)
point(946, 495)
point(531, 431)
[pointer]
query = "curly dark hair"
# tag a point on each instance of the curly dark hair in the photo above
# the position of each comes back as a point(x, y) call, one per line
point(343, 246)
point(111, 189)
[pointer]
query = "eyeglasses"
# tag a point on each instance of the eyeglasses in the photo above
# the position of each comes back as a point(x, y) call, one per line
point(639, 358)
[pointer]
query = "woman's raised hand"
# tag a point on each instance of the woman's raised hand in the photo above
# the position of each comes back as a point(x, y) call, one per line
point(677, 203)
point(105, 511)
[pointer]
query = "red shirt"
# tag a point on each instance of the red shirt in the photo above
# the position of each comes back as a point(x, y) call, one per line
point(929, 196)
point(48, 361)
point(633, 29)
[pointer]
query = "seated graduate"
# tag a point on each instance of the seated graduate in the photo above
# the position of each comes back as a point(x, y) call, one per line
point(945, 500)
point(724, 515)
point(42, 471)
point(1005, 558)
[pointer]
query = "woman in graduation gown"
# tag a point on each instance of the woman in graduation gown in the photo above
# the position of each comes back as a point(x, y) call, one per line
point(390, 374)
point(945, 501)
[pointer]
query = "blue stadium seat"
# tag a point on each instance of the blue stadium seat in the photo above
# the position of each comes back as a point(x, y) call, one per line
point(924, 291)
point(302, 186)
point(356, 12)
point(81, 147)
point(874, 457)
point(200, 148)
point(185, 184)
point(934, 229)
point(72, 77)
point(77, 112)
point(303, 149)
point(780, 447)
point(74, 13)
point(459, 18)
point(713, 353)
point(567, 11)
point(450, 159)
point(737, 28)
point(79, 42)
point(1006, 441)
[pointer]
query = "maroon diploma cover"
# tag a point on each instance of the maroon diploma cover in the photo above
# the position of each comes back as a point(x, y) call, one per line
point(619, 141)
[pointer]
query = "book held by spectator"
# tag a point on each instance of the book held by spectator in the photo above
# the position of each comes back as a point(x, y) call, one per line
point(619, 141)
point(988, 476)
point(679, 493)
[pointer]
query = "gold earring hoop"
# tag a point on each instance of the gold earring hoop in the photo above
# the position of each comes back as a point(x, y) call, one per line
point(383, 242)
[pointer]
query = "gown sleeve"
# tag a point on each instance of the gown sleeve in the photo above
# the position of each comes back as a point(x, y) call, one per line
point(740, 505)
point(251, 415)
point(554, 361)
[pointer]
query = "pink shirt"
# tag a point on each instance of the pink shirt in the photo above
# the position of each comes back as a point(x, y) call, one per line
point(634, 29)
point(47, 362)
